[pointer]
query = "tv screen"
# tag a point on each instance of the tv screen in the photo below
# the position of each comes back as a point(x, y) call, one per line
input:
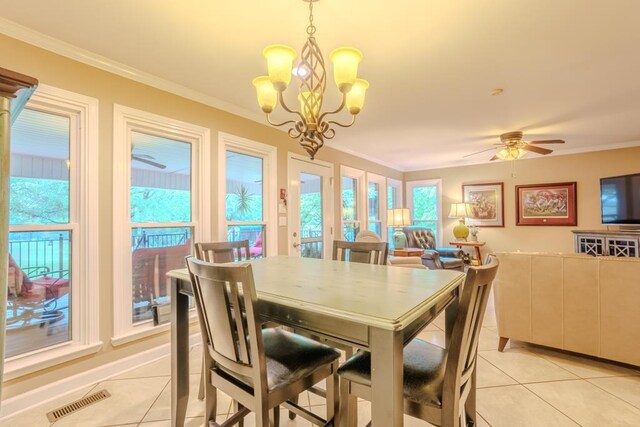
point(620, 199)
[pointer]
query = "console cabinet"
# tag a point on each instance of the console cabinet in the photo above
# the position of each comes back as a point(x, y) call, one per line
point(607, 243)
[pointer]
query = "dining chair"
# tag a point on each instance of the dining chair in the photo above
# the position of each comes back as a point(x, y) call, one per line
point(367, 236)
point(221, 252)
point(364, 252)
point(437, 382)
point(260, 369)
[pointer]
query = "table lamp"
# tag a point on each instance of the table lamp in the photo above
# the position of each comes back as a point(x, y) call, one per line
point(399, 218)
point(460, 211)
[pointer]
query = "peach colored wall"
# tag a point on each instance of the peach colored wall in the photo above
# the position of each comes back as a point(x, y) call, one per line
point(110, 89)
point(586, 169)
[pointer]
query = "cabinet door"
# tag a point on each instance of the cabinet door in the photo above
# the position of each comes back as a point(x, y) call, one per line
point(590, 245)
point(622, 246)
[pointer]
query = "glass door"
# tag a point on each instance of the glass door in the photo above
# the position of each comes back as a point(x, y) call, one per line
point(311, 209)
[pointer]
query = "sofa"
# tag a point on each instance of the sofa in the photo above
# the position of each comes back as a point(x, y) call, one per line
point(579, 303)
point(433, 258)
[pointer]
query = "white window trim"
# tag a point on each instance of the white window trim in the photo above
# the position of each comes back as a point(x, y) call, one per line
point(382, 202)
point(269, 154)
point(361, 197)
point(84, 303)
point(126, 119)
point(425, 183)
point(397, 184)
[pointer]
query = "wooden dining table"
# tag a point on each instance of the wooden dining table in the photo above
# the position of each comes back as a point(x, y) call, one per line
point(376, 308)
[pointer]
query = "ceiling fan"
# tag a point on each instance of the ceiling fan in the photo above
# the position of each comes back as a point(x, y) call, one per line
point(514, 147)
point(145, 158)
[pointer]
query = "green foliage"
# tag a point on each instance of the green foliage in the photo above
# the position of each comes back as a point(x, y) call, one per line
point(348, 205)
point(160, 205)
point(242, 205)
point(425, 203)
point(38, 201)
point(310, 213)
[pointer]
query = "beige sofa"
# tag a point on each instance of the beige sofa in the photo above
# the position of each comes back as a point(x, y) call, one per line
point(579, 303)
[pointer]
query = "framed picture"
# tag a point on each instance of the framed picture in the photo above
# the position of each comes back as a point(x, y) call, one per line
point(546, 204)
point(487, 204)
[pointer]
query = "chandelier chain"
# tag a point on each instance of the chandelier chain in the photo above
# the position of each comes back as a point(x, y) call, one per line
point(311, 29)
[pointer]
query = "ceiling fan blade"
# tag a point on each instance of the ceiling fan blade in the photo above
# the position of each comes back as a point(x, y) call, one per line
point(535, 149)
point(473, 154)
point(495, 158)
point(149, 162)
point(548, 141)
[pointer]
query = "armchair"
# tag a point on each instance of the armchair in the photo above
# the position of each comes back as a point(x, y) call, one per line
point(434, 258)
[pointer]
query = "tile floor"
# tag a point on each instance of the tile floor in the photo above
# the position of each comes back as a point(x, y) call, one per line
point(524, 386)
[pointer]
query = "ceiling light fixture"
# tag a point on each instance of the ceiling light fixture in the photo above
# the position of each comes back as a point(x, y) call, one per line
point(311, 129)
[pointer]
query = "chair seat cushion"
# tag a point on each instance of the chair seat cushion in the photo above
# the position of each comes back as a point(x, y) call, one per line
point(424, 367)
point(452, 262)
point(290, 357)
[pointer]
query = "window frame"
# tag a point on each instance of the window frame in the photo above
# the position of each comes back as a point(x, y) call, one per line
point(125, 121)
point(269, 156)
point(410, 185)
point(382, 203)
point(361, 198)
point(397, 203)
point(83, 224)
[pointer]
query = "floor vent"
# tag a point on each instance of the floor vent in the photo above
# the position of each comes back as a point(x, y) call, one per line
point(72, 407)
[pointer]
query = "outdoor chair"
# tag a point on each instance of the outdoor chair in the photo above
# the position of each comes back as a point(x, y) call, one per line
point(439, 384)
point(260, 369)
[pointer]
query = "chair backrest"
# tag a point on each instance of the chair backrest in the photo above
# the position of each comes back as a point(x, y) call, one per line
point(420, 237)
point(462, 351)
point(150, 267)
point(225, 298)
point(364, 252)
point(367, 236)
point(221, 252)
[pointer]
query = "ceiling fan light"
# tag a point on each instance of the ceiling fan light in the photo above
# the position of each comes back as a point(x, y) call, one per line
point(279, 64)
point(267, 94)
point(355, 97)
point(345, 62)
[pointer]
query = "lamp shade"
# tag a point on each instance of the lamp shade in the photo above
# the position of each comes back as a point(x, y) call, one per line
point(355, 97)
point(398, 217)
point(345, 62)
point(267, 94)
point(279, 63)
point(460, 210)
point(310, 104)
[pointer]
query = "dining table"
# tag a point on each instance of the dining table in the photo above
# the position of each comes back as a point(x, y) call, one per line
point(376, 308)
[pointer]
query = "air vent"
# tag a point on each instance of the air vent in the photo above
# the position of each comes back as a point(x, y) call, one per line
point(72, 407)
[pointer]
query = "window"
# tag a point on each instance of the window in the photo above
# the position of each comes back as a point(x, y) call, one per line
point(377, 198)
point(249, 178)
point(52, 232)
point(353, 198)
point(424, 201)
point(394, 200)
point(159, 206)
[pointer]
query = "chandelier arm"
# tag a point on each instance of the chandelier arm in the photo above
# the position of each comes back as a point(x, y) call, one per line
point(337, 110)
point(287, 109)
point(278, 124)
point(353, 120)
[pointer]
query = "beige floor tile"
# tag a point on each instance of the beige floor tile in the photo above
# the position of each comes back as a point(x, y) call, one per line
point(439, 322)
point(37, 416)
point(582, 366)
point(431, 327)
point(433, 337)
point(481, 422)
point(161, 409)
point(488, 339)
point(188, 422)
point(514, 405)
point(525, 366)
point(250, 420)
point(626, 388)
point(195, 360)
point(156, 368)
point(490, 376)
point(130, 399)
point(586, 404)
point(489, 320)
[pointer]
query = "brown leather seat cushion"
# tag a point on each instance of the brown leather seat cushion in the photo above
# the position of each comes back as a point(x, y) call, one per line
point(451, 262)
point(290, 356)
point(424, 367)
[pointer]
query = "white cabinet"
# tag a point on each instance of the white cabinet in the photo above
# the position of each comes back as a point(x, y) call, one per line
point(611, 243)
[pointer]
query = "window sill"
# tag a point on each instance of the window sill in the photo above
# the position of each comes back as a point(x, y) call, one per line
point(147, 331)
point(46, 358)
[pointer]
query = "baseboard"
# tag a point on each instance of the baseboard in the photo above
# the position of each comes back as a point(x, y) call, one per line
point(25, 401)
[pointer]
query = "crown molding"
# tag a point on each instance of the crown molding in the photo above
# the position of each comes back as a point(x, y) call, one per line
point(43, 41)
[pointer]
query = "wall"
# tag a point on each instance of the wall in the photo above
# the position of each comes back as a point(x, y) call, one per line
point(586, 169)
point(110, 89)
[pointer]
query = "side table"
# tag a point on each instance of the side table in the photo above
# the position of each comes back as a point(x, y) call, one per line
point(408, 252)
point(476, 249)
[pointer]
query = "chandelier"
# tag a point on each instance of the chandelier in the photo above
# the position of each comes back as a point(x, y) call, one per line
point(311, 127)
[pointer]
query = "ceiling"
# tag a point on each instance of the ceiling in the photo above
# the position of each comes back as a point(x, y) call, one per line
point(570, 69)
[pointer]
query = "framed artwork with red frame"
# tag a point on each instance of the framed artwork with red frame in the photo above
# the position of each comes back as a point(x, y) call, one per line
point(546, 204)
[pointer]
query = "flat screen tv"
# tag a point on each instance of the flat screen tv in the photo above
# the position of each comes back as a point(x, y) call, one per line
point(620, 199)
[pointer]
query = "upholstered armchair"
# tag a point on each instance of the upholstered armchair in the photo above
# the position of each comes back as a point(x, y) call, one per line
point(434, 258)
